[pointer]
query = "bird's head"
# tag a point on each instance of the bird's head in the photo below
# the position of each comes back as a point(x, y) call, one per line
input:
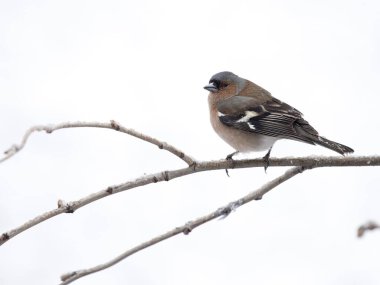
point(225, 84)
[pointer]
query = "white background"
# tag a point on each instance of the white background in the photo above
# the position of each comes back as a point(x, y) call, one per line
point(144, 63)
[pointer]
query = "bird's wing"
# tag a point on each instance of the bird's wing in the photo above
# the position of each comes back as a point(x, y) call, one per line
point(272, 118)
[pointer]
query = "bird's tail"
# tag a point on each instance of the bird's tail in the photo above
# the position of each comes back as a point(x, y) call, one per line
point(339, 148)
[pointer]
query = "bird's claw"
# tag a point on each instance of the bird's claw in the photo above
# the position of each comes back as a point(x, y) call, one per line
point(266, 160)
point(229, 157)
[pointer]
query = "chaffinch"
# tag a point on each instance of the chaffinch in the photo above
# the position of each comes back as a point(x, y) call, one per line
point(249, 118)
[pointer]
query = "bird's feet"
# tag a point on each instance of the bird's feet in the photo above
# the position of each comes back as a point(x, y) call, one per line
point(266, 160)
point(229, 157)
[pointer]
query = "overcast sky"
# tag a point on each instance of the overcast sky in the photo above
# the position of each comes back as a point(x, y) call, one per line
point(144, 63)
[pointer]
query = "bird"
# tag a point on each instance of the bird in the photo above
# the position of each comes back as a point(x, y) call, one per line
point(249, 118)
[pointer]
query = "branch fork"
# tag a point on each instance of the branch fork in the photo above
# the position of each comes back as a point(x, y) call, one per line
point(298, 165)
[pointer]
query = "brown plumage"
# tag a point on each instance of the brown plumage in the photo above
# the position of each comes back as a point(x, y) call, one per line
point(249, 118)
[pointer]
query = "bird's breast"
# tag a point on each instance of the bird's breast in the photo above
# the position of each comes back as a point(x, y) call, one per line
point(242, 141)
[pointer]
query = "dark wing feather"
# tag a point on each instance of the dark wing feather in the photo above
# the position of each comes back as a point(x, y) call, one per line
point(272, 118)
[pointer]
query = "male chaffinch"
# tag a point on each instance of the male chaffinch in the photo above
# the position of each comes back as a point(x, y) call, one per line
point(249, 118)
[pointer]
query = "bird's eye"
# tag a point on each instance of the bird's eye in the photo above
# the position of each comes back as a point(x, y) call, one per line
point(223, 85)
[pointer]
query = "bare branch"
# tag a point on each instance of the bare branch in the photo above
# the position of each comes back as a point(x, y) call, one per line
point(113, 125)
point(188, 227)
point(70, 207)
point(306, 162)
point(193, 167)
point(369, 226)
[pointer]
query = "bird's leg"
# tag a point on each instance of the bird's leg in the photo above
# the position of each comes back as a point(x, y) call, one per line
point(266, 159)
point(229, 157)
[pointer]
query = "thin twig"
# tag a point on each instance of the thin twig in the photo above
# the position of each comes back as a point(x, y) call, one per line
point(188, 227)
point(70, 207)
point(369, 226)
point(113, 125)
point(307, 162)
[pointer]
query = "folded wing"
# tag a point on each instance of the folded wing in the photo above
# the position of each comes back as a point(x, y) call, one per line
point(272, 118)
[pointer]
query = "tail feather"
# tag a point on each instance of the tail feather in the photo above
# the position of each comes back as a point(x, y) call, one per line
point(339, 148)
point(307, 132)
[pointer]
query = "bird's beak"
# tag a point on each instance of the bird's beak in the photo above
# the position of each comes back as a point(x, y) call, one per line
point(211, 87)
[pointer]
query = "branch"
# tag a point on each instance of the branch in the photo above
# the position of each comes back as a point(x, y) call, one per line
point(306, 162)
point(193, 167)
point(369, 226)
point(189, 226)
point(113, 125)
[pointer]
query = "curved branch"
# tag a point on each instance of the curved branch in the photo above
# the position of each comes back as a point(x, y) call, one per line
point(194, 167)
point(188, 227)
point(113, 125)
point(369, 226)
point(306, 162)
